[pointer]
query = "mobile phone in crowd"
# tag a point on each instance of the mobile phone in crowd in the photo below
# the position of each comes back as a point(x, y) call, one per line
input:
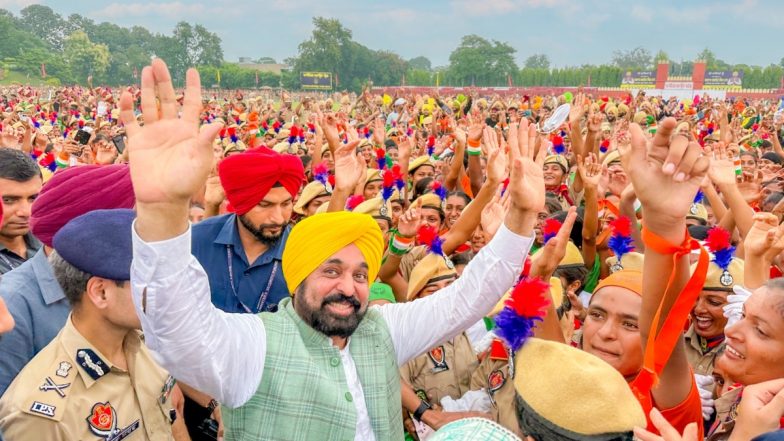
point(82, 136)
point(119, 143)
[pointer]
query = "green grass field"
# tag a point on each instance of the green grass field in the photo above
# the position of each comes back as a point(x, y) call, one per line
point(13, 77)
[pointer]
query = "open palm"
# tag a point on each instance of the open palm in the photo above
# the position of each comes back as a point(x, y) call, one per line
point(666, 172)
point(526, 180)
point(170, 158)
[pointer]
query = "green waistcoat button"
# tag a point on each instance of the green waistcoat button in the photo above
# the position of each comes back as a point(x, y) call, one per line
point(334, 361)
point(349, 398)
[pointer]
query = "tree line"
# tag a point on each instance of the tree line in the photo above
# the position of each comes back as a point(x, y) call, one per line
point(74, 48)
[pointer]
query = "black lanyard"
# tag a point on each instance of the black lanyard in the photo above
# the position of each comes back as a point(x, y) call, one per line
point(8, 262)
point(264, 295)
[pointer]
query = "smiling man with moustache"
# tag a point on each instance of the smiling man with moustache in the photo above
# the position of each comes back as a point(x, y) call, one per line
point(20, 183)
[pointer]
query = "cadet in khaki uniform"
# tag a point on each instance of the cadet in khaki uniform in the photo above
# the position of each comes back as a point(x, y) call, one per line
point(494, 373)
point(96, 379)
point(705, 337)
point(446, 369)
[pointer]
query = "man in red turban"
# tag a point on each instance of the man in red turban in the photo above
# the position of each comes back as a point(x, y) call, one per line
point(241, 251)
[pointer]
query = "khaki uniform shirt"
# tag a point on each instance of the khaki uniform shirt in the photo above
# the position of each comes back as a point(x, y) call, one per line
point(443, 371)
point(70, 391)
point(493, 376)
point(726, 412)
point(701, 363)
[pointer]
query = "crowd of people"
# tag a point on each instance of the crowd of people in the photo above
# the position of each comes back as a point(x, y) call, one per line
point(370, 266)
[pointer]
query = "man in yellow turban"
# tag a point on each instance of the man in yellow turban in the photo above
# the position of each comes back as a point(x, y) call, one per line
point(324, 366)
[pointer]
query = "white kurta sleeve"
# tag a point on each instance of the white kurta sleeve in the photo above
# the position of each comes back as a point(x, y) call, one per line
point(214, 352)
point(419, 325)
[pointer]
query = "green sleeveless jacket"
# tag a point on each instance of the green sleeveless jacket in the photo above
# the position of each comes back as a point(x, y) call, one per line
point(303, 393)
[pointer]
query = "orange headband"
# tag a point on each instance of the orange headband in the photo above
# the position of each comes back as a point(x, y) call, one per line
point(629, 279)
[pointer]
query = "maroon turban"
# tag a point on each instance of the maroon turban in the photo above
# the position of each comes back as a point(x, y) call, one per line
point(249, 176)
point(78, 190)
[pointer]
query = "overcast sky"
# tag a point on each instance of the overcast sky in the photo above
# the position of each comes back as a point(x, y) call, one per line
point(570, 32)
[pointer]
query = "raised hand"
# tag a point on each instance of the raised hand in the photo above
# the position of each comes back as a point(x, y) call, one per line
point(496, 164)
point(765, 238)
point(722, 168)
point(349, 167)
point(493, 214)
point(378, 131)
point(475, 128)
point(666, 172)
point(329, 124)
point(590, 170)
point(526, 182)
point(410, 221)
point(555, 249)
point(170, 157)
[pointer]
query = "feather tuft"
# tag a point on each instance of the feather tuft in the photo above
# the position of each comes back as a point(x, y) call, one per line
point(718, 242)
point(525, 306)
point(429, 237)
point(551, 228)
point(620, 241)
point(353, 201)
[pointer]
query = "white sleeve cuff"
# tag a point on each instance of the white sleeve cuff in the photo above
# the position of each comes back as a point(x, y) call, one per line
point(165, 258)
point(510, 247)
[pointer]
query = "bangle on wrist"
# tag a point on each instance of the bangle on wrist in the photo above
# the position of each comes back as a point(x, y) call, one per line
point(473, 143)
point(400, 245)
point(474, 151)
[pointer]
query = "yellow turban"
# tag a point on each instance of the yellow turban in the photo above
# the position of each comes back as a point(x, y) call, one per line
point(313, 240)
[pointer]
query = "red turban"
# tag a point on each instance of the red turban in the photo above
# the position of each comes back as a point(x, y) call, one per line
point(249, 176)
point(78, 190)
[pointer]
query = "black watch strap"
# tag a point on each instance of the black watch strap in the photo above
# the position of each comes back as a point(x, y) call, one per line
point(212, 405)
point(423, 406)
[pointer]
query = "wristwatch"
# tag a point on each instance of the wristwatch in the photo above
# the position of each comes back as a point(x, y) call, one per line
point(423, 406)
point(212, 405)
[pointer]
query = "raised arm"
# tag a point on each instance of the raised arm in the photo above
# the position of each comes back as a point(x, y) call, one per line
point(474, 294)
point(590, 171)
point(666, 172)
point(170, 159)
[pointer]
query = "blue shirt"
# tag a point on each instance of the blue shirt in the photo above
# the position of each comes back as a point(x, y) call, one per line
point(214, 242)
point(40, 309)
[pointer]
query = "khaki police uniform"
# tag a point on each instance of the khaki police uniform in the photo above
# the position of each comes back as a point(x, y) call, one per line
point(493, 375)
point(444, 370)
point(726, 413)
point(701, 362)
point(70, 391)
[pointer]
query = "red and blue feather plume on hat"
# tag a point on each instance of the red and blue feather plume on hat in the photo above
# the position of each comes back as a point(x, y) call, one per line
point(400, 183)
point(431, 143)
point(550, 229)
point(718, 242)
point(525, 306)
point(381, 158)
point(429, 237)
point(353, 201)
point(604, 145)
point(293, 134)
point(699, 197)
point(439, 189)
point(621, 241)
point(388, 185)
point(558, 145)
point(321, 174)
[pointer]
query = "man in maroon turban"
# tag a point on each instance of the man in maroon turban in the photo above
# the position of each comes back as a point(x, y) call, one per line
point(33, 296)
